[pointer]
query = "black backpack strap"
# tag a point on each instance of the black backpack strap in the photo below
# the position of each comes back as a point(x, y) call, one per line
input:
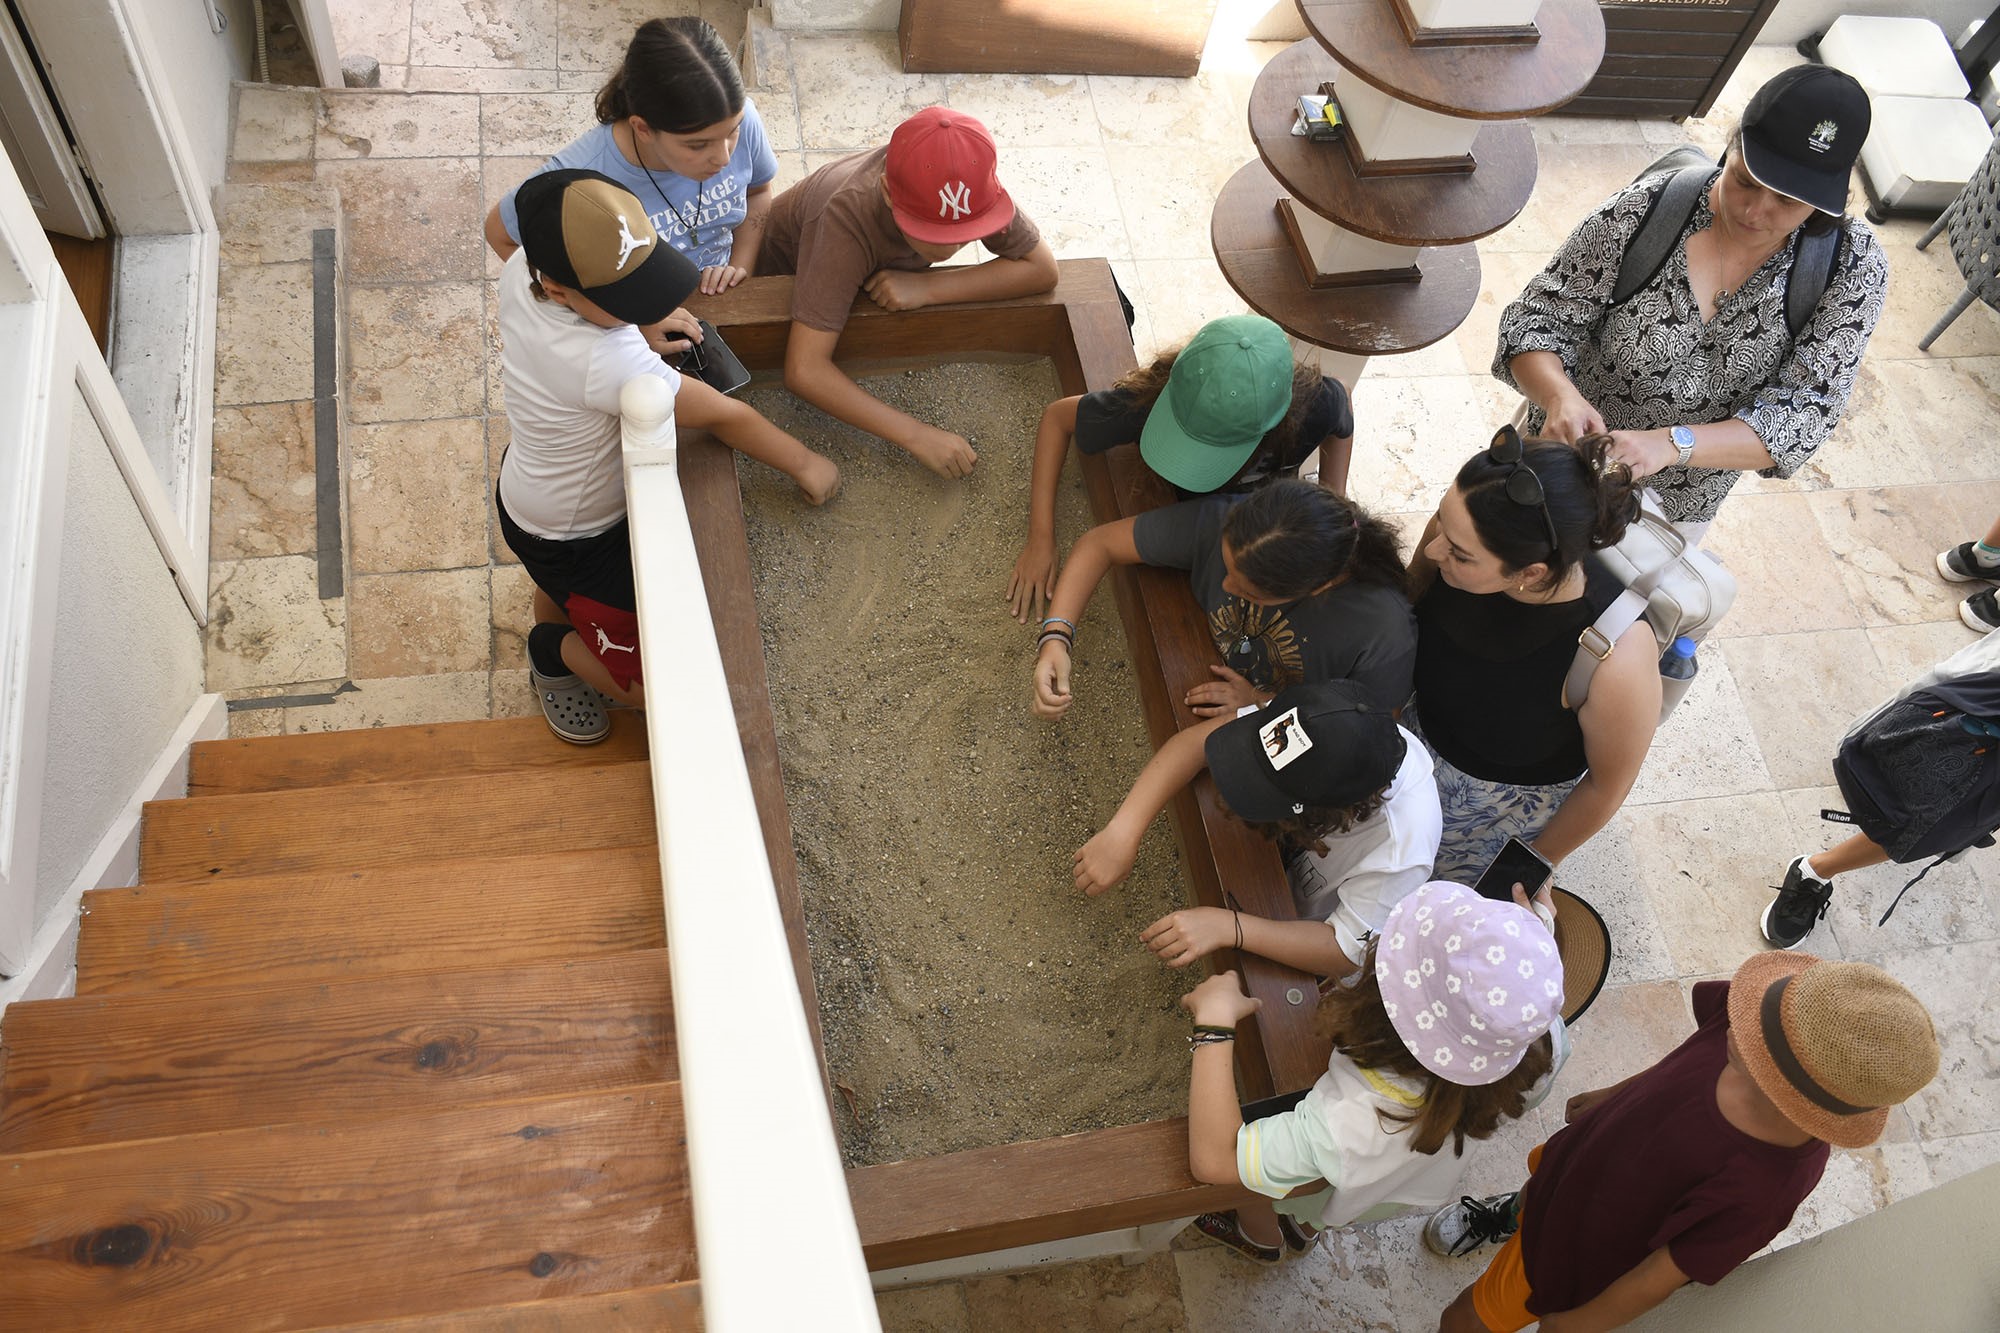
point(1660, 230)
point(1812, 271)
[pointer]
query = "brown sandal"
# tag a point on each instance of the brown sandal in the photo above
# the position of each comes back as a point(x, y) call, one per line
point(1224, 1229)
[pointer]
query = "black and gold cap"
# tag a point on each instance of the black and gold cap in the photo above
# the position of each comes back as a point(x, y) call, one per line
point(588, 232)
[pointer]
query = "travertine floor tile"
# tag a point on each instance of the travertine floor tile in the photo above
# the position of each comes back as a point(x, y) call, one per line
point(1150, 113)
point(481, 79)
point(1886, 542)
point(532, 124)
point(268, 626)
point(1176, 297)
point(395, 124)
point(407, 701)
point(263, 334)
point(418, 624)
point(498, 177)
point(1787, 579)
point(416, 495)
point(1959, 1155)
point(1801, 692)
point(1874, 444)
point(513, 598)
point(1626, 1030)
point(497, 434)
point(1946, 409)
point(1156, 193)
point(1069, 194)
point(516, 34)
point(410, 219)
point(273, 124)
point(853, 92)
point(593, 34)
point(513, 694)
point(379, 28)
point(1909, 651)
point(1707, 748)
point(262, 490)
point(415, 353)
point(1707, 867)
point(1411, 436)
point(1858, 1182)
point(1957, 983)
point(1604, 872)
point(256, 722)
point(272, 224)
point(1028, 110)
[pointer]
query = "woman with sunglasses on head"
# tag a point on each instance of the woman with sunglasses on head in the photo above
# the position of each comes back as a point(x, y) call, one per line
point(1299, 585)
point(1697, 375)
point(1503, 588)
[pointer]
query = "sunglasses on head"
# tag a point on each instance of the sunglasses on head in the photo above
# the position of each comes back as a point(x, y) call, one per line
point(1523, 486)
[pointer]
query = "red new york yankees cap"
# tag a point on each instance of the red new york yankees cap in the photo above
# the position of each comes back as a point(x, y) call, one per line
point(941, 180)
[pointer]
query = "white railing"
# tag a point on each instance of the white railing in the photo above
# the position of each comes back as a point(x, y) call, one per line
point(762, 1162)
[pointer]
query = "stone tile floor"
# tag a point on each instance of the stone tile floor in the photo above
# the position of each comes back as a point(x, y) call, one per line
point(1839, 603)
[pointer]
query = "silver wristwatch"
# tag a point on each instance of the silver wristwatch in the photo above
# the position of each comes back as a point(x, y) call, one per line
point(1683, 439)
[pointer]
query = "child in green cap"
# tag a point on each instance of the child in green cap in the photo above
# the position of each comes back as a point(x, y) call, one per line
point(1239, 412)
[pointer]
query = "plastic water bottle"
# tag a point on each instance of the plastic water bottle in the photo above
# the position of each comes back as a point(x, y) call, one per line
point(1677, 663)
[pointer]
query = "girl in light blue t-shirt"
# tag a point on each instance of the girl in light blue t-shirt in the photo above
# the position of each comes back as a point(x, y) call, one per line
point(676, 129)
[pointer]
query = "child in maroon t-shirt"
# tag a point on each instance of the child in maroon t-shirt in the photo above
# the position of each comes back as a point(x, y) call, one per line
point(1682, 1172)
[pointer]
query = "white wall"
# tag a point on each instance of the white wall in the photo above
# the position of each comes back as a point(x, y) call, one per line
point(200, 65)
point(1926, 1263)
point(127, 662)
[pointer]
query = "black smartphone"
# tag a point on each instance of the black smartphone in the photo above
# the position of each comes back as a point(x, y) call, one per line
point(1517, 863)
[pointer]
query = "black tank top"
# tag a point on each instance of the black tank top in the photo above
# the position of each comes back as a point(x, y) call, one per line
point(1490, 673)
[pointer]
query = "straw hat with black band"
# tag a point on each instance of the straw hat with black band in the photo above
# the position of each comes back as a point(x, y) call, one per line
point(1584, 942)
point(1833, 1045)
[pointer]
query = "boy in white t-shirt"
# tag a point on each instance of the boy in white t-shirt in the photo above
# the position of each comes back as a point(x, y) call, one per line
point(590, 270)
point(1332, 775)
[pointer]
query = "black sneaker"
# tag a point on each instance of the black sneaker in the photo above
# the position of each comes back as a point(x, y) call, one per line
point(1981, 611)
point(1460, 1228)
point(1800, 904)
point(1961, 564)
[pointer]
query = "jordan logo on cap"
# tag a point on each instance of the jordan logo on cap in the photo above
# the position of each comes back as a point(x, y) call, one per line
point(954, 200)
point(627, 242)
point(1822, 136)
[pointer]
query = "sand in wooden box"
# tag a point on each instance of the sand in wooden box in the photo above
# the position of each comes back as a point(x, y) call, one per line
point(969, 995)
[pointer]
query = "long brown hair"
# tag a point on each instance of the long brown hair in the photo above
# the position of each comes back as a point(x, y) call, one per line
point(1145, 385)
point(1352, 1017)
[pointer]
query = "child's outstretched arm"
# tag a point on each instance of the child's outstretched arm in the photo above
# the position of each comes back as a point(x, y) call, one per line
point(746, 430)
point(811, 374)
point(1034, 579)
point(994, 280)
point(1213, 1115)
point(1105, 860)
point(1651, 1281)
point(1179, 938)
point(1090, 559)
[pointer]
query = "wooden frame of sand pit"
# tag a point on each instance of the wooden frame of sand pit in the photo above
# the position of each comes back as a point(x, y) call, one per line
point(1043, 1190)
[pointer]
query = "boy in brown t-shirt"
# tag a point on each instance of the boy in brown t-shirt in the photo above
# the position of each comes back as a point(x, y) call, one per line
point(876, 222)
point(1682, 1172)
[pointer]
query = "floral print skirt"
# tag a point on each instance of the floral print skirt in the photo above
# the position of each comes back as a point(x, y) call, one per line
point(1479, 815)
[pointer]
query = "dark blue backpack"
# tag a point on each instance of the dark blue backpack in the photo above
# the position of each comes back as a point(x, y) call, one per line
point(1921, 776)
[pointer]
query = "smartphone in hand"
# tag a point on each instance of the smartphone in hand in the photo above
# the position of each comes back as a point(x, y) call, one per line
point(1517, 863)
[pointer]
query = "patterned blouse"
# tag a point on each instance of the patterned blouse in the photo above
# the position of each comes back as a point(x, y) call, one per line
point(1652, 363)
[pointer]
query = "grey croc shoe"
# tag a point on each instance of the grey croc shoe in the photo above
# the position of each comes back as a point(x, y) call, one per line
point(574, 711)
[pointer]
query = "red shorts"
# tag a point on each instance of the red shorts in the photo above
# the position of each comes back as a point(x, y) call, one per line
point(611, 635)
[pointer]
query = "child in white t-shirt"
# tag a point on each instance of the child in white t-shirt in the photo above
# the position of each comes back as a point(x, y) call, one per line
point(1442, 1036)
point(1326, 770)
point(590, 270)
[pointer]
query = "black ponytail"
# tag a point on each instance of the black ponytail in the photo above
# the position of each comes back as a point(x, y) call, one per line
point(677, 76)
point(1590, 498)
point(1291, 537)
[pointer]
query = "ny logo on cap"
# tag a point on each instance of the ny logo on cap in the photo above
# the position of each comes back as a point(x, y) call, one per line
point(627, 242)
point(954, 201)
point(1822, 136)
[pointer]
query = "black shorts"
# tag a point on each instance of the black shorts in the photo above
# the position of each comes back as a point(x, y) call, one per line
point(599, 567)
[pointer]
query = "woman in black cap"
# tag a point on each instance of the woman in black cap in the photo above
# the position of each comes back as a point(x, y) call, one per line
point(1697, 374)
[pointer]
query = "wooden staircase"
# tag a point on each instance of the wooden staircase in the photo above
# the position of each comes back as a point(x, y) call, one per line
point(383, 1040)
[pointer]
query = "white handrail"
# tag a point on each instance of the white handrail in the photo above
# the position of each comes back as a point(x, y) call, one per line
point(762, 1162)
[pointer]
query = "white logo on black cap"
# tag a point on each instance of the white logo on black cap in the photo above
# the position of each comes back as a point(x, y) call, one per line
point(627, 242)
point(1822, 136)
point(955, 197)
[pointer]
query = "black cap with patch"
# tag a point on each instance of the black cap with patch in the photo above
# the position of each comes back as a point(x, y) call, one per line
point(591, 234)
point(1802, 132)
point(1323, 744)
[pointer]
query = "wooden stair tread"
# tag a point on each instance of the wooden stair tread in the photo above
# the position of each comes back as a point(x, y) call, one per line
point(93, 1070)
point(332, 925)
point(1379, 320)
point(675, 1308)
point(1445, 208)
point(1490, 82)
point(383, 823)
point(389, 754)
point(306, 1226)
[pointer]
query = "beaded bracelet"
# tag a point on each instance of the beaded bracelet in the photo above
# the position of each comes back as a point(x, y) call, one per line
point(1209, 1039)
point(1058, 620)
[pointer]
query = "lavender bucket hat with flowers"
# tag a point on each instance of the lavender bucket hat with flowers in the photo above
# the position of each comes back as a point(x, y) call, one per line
point(1468, 983)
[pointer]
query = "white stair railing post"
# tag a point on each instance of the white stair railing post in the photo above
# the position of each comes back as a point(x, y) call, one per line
point(761, 1154)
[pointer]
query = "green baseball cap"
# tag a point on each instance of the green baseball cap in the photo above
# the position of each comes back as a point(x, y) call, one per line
point(1230, 384)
